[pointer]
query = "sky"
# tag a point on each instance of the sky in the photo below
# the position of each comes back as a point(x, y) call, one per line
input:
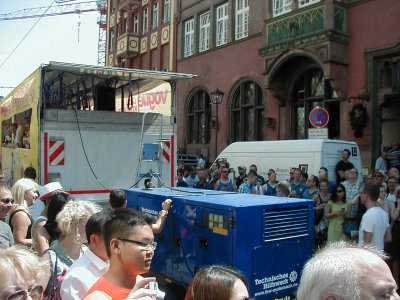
point(52, 39)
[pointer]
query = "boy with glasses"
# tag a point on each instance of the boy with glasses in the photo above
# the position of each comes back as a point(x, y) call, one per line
point(130, 246)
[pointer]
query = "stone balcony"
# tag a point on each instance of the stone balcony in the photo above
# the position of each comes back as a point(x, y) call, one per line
point(127, 45)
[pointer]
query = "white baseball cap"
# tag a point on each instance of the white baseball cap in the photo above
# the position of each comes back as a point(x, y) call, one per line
point(50, 189)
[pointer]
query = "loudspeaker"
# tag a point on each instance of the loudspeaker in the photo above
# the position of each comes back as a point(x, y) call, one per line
point(104, 98)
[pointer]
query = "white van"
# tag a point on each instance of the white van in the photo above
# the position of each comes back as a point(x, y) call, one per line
point(282, 155)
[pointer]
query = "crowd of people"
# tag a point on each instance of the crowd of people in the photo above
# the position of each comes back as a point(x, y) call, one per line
point(77, 250)
point(74, 249)
point(345, 209)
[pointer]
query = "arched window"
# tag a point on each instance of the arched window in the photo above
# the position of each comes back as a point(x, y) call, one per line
point(307, 94)
point(199, 118)
point(247, 111)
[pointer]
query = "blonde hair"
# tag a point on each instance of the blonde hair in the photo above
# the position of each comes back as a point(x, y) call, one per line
point(75, 214)
point(20, 188)
point(18, 262)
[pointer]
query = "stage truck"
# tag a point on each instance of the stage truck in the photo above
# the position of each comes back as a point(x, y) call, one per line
point(91, 128)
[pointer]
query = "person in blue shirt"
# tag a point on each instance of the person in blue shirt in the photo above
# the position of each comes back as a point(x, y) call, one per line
point(247, 186)
point(323, 174)
point(312, 184)
point(297, 187)
point(203, 183)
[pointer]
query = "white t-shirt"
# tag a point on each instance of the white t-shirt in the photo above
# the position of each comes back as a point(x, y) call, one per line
point(375, 220)
point(82, 274)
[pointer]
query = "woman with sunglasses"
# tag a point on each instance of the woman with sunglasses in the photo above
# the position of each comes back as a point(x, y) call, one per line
point(21, 273)
point(218, 283)
point(24, 192)
point(336, 213)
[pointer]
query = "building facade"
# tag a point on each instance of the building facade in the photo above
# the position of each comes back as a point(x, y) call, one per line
point(140, 34)
point(277, 60)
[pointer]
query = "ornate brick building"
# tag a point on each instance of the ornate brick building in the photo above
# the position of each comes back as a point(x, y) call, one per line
point(275, 60)
point(278, 59)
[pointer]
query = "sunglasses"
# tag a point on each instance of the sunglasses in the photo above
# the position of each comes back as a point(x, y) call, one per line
point(7, 201)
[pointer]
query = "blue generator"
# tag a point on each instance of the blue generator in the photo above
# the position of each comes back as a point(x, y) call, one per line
point(267, 238)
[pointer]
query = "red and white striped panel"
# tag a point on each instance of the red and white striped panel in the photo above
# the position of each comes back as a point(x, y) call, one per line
point(56, 151)
point(166, 151)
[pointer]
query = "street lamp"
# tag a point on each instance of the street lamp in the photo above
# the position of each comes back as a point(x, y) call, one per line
point(216, 98)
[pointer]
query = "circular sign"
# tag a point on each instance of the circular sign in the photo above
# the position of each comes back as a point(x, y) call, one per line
point(319, 117)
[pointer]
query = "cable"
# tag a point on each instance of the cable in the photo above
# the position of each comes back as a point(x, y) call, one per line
point(29, 31)
point(90, 166)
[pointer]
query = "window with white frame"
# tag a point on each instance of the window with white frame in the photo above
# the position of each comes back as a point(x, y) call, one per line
point(167, 11)
point(136, 24)
point(155, 16)
point(303, 3)
point(282, 7)
point(145, 24)
point(242, 19)
point(204, 36)
point(189, 38)
point(221, 25)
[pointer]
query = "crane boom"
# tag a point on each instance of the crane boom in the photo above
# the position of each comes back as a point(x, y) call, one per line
point(64, 9)
point(61, 9)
